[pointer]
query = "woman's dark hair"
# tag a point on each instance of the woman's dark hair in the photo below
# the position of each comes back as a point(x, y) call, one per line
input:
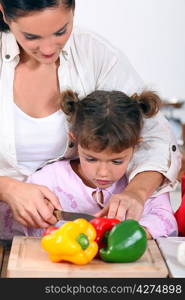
point(19, 8)
point(108, 119)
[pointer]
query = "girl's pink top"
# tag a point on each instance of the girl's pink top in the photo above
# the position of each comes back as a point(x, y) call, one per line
point(75, 196)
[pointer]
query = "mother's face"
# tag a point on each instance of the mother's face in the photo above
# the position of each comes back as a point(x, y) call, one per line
point(44, 33)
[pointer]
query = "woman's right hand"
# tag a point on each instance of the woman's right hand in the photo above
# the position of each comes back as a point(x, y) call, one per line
point(32, 205)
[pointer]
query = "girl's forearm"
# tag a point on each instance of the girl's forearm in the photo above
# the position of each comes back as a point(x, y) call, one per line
point(144, 184)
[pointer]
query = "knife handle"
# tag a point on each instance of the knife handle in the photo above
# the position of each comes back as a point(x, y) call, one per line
point(58, 214)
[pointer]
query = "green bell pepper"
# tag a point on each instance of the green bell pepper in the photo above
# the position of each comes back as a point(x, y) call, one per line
point(126, 242)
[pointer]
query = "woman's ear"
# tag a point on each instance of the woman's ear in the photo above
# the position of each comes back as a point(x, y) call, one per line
point(2, 11)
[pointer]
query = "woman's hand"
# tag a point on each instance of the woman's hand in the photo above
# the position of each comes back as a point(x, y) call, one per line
point(32, 205)
point(130, 203)
point(126, 205)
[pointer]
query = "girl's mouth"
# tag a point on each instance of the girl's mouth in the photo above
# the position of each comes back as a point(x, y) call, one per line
point(103, 182)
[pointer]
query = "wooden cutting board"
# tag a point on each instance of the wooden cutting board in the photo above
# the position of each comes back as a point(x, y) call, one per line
point(28, 259)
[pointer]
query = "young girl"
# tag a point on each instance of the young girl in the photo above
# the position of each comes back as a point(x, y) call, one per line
point(106, 127)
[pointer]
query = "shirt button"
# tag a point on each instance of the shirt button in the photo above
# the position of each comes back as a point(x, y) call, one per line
point(174, 148)
point(65, 53)
point(7, 56)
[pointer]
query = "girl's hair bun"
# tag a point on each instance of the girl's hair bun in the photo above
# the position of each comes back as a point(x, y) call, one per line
point(68, 101)
point(149, 102)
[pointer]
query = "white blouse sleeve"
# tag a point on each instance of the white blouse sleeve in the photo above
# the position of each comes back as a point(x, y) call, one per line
point(158, 152)
point(0, 51)
point(118, 74)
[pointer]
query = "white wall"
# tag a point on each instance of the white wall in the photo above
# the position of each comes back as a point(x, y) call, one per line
point(150, 32)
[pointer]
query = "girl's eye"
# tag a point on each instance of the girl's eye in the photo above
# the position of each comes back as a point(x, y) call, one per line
point(117, 162)
point(90, 159)
point(60, 32)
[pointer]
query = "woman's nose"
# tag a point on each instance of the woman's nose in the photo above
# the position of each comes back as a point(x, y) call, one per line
point(47, 48)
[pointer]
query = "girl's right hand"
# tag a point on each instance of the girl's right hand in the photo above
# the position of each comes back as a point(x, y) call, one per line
point(32, 205)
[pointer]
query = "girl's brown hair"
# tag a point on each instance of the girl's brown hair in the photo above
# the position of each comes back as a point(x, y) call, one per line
point(108, 119)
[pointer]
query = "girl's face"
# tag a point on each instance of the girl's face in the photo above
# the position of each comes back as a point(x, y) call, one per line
point(43, 34)
point(104, 168)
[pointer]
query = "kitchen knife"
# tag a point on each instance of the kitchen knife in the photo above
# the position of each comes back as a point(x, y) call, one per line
point(70, 216)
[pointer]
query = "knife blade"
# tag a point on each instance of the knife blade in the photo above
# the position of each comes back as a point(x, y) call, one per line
point(70, 216)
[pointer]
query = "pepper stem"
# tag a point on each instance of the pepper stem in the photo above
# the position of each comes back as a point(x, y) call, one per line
point(83, 240)
point(105, 236)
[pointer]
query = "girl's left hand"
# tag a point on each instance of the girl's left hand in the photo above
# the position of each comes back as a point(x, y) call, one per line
point(126, 205)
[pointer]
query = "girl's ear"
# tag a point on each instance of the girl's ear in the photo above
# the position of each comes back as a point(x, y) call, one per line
point(141, 139)
point(71, 136)
point(72, 139)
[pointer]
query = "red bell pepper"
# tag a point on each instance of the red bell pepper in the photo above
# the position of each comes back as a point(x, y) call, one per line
point(103, 226)
point(49, 230)
point(180, 212)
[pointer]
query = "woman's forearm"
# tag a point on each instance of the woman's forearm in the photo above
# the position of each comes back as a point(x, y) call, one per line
point(144, 184)
point(6, 183)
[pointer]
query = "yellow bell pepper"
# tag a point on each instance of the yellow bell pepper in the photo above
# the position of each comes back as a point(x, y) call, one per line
point(73, 242)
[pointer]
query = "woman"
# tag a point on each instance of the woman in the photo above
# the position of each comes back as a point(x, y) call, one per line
point(41, 54)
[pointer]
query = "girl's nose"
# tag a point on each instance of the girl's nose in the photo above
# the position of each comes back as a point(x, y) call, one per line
point(102, 170)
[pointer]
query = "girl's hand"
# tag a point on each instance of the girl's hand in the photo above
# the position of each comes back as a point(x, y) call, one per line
point(32, 205)
point(126, 205)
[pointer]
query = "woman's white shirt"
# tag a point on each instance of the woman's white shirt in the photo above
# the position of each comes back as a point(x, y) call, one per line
point(37, 139)
point(87, 63)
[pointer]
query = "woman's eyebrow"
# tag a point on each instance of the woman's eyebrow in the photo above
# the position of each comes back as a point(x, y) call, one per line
point(35, 35)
